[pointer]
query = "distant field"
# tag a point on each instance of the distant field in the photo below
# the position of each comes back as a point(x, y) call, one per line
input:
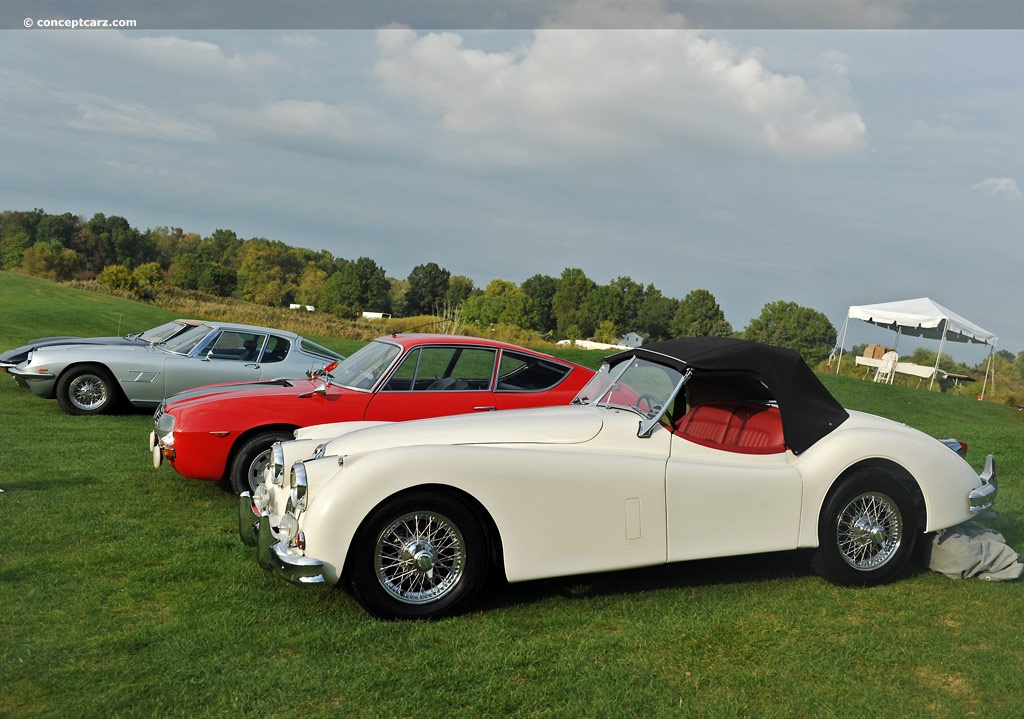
point(125, 592)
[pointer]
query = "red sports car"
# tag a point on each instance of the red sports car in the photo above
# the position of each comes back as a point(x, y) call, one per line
point(226, 431)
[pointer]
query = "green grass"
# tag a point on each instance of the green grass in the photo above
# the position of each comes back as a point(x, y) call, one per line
point(125, 592)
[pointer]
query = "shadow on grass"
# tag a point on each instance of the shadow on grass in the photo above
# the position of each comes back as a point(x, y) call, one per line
point(694, 574)
point(679, 575)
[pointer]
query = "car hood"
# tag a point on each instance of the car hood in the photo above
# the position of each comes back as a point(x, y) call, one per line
point(247, 389)
point(541, 425)
point(50, 342)
point(244, 391)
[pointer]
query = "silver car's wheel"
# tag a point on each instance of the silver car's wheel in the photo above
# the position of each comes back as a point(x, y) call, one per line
point(867, 531)
point(88, 389)
point(421, 555)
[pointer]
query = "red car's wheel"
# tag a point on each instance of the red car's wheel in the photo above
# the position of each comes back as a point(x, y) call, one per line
point(246, 471)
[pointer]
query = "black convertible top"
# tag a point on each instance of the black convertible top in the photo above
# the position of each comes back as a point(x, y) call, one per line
point(733, 369)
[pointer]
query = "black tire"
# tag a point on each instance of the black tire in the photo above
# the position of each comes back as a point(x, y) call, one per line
point(246, 469)
point(87, 389)
point(866, 532)
point(421, 555)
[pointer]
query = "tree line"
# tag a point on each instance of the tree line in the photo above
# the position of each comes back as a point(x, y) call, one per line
point(108, 250)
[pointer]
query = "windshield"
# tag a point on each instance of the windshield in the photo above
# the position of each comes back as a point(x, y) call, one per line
point(363, 368)
point(644, 387)
point(187, 340)
point(161, 333)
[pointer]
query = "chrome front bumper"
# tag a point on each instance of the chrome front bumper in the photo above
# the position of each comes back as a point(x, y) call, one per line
point(982, 498)
point(271, 554)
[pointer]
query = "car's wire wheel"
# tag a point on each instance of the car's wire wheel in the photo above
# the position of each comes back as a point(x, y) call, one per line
point(88, 392)
point(87, 389)
point(869, 531)
point(420, 557)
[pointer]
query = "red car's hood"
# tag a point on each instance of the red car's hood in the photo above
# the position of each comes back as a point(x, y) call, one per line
point(245, 391)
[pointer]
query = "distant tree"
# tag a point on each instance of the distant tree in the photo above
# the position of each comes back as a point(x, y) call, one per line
point(459, 288)
point(361, 287)
point(311, 284)
point(58, 230)
point(12, 249)
point(428, 286)
point(168, 244)
point(217, 279)
point(116, 277)
point(699, 315)
point(603, 304)
point(787, 324)
point(267, 273)
point(654, 318)
point(222, 247)
point(41, 260)
point(541, 289)
point(184, 272)
point(148, 274)
point(568, 300)
point(606, 332)
point(482, 309)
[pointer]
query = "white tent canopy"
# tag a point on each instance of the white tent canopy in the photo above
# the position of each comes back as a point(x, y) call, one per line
point(925, 318)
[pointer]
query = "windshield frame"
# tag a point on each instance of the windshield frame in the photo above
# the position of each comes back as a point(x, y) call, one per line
point(368, 366)
point(187, 343)
point(610, 379)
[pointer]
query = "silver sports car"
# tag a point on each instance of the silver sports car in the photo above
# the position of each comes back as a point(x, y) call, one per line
point(94, 379)
point(160, 333)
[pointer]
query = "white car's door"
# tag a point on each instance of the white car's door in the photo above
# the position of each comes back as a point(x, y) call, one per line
point(722, 503)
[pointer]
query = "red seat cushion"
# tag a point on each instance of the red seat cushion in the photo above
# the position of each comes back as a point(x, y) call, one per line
point(735, 427)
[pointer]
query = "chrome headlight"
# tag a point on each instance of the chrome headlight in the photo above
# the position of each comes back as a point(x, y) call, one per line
point(300, 489)
point(277, 463)
point(298, 475)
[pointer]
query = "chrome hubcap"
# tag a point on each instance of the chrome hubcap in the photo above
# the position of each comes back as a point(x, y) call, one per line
point(870, 531)
point(419, 557)
point(87, 392)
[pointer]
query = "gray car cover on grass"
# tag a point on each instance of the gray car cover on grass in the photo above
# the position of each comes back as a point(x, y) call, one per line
point(970, 550)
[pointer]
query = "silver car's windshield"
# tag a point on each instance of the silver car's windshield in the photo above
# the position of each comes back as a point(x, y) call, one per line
point(363, 368)
point(187, 340)
point(161, 333)
point(644, 387)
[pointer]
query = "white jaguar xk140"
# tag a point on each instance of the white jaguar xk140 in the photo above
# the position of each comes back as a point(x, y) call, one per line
point(685, 449)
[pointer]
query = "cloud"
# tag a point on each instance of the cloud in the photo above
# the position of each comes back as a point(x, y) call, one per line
point(1000, 187)
point(311, 124)
point(135, 121)
point(587, 91)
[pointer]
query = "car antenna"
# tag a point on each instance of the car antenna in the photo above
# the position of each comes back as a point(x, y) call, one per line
point(413, 329)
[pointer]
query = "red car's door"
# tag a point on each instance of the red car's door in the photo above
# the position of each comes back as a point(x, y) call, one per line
point(437, 380)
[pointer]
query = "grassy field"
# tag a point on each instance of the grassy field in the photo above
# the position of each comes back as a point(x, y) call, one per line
point(125, 592)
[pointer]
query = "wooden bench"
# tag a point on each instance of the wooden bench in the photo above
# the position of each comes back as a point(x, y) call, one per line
point(742, 427)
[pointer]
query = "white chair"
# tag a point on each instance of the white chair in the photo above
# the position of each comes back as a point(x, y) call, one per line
point(887, 369)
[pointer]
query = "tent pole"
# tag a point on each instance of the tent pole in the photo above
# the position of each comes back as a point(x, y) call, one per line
point(842, 343)
point(991, 351)
point(938, 357)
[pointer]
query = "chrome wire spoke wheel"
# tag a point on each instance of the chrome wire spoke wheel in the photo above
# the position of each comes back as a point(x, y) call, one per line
point(420, 557)
point(869, 531)
point(87, 392)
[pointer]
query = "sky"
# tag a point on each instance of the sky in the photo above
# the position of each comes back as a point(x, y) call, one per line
point(829, 153)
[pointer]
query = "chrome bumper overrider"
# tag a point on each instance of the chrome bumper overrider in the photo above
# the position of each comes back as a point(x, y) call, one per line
point(271, 554)
point(983, 497)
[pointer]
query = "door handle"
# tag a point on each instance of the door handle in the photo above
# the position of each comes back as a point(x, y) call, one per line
point(483, 409)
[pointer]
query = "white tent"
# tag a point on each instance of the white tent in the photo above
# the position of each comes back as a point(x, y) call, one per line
point(925, 318)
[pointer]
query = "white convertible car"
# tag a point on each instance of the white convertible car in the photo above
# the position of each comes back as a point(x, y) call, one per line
point(684, 449)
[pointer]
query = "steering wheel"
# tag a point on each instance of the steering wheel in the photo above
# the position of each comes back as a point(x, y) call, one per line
point(653, 405)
